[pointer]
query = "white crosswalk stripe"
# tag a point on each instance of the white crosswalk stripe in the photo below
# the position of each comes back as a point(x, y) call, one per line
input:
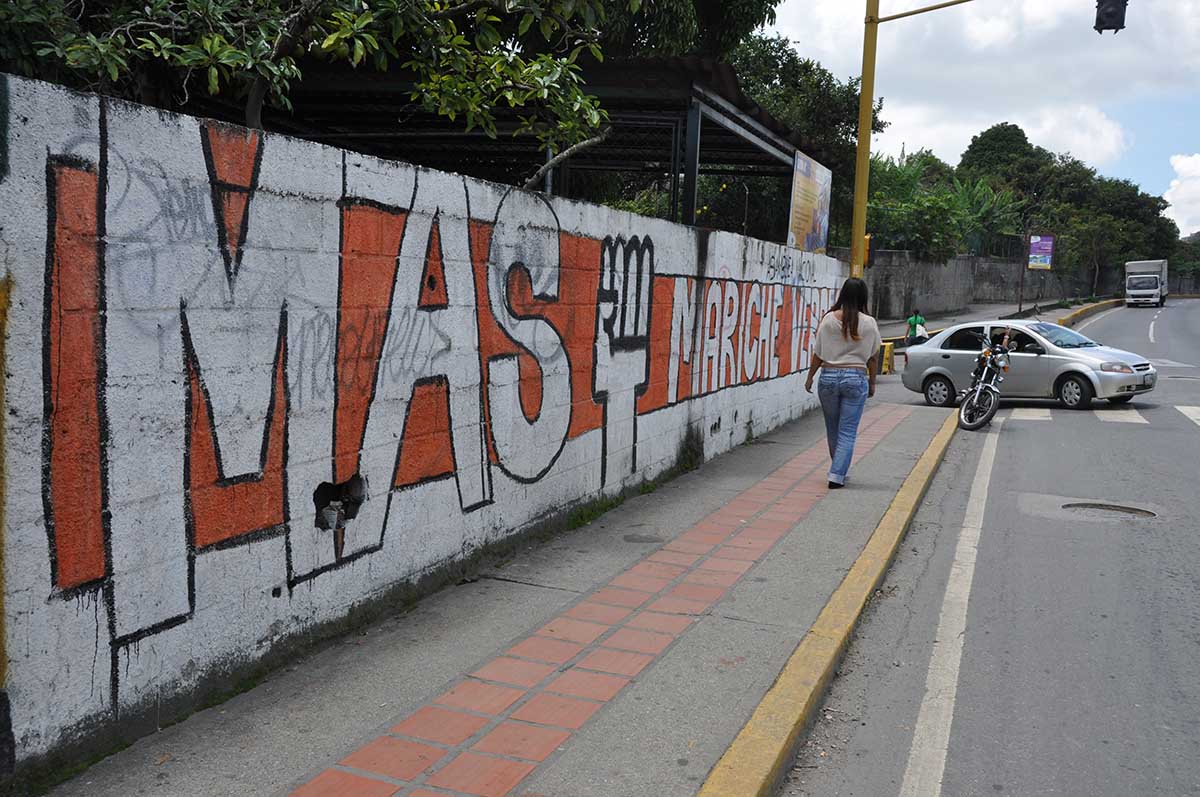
point(1121, 416)
point(1107, 414)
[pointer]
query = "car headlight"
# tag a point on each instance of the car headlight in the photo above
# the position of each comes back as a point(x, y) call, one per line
point(1116, 368)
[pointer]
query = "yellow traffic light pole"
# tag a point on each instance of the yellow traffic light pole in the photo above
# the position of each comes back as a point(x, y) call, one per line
point(866, 108)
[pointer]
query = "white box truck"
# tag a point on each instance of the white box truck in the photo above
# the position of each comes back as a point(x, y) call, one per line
point(1146, 283)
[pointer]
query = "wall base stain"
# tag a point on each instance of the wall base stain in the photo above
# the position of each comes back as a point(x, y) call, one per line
point(8, 749)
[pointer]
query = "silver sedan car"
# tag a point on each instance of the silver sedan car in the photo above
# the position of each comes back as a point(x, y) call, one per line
point(1047, 361)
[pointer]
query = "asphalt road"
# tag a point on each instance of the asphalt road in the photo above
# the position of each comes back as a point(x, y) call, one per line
point(1019, 647)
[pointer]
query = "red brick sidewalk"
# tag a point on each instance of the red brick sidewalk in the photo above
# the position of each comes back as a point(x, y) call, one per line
point(490, 730)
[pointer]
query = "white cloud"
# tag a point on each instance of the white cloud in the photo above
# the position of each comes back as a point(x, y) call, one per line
point(914, 127)
point(991, 30)
point(950, 74)
point(1083, 130)
point(1184, 193)
point(1042, 14)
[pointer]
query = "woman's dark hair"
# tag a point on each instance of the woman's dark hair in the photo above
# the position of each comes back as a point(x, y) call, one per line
point(852, 300)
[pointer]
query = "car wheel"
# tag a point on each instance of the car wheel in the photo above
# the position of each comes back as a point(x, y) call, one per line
point(1121, 399)
point(1075, 393)
point(938, 391)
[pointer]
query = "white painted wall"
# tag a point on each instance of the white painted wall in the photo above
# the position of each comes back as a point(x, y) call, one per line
point(165, 608)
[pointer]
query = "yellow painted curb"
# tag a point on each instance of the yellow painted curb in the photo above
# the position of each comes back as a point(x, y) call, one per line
point(888, 366)
point(763, 748)
point(1071, 319)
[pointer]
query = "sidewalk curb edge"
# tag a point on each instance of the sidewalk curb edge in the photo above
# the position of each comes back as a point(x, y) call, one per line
point(759, 754)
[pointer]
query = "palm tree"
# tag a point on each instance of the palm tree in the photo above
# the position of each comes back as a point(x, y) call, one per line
point(983, 214)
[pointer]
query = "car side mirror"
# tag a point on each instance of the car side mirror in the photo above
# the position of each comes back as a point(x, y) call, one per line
point(1034, 348)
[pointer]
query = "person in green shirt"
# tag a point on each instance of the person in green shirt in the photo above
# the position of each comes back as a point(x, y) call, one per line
point(914, 321)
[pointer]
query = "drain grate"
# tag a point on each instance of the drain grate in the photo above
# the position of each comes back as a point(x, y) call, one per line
point(1113, 508)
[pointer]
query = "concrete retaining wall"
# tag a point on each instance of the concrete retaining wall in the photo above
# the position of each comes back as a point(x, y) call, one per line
point(213, 332)
point(899, 283)
point(1184, 282)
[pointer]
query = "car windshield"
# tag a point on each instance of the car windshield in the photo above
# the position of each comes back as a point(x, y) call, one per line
point(1142, 283)
point(1062, 337)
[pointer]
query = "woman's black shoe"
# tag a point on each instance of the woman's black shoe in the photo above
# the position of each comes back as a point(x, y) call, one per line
point(835, 486)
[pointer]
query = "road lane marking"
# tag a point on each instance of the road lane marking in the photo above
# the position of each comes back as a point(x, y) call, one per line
point(931, 737)
point(1152, 323)
point(1030, 414)
point(1120, 416)
point(1096, 318)
point(1170, 364)
point(1193, 413)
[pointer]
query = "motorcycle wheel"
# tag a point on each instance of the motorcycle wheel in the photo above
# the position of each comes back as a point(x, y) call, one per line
point(977, 411)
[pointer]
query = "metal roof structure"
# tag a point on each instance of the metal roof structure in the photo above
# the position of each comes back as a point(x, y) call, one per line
point(679, 117)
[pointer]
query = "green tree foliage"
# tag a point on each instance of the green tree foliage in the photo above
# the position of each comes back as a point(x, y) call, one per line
point(1002, 149)
point(1100, 222)
point(1185, 259)
point(820, 109)
point(903, 212)
point(467, 58)
point(983, 215)
point(1005, 186)
point(711, 28)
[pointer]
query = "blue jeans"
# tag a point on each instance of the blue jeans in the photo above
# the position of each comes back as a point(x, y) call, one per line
point(843, 394)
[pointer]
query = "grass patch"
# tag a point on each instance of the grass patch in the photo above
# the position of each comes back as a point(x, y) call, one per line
point(585, 514)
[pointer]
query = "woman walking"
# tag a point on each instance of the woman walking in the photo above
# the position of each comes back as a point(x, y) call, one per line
point(847, 353)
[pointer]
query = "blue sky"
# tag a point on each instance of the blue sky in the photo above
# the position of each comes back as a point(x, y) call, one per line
point(1128, 104)
point(1158, 128)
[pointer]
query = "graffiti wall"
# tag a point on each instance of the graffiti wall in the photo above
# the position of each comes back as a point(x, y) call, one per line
point(253, 382)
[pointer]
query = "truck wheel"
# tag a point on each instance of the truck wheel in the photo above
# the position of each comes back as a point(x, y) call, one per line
point(1075, 392)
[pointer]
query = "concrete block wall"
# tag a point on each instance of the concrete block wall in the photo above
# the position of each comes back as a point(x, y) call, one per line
point(211, 330)
point(999, 281)
point(899, 282)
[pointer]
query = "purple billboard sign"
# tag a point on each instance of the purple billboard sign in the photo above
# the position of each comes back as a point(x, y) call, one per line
point(1041, 251)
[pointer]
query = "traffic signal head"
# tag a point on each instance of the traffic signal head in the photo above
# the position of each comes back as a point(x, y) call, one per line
point(1110, 15)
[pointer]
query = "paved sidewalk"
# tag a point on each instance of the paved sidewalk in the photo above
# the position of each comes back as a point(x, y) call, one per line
point(618, 659)
point(977, 312)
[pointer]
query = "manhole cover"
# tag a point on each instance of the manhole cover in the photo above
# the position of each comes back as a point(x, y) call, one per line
point(1109, 508)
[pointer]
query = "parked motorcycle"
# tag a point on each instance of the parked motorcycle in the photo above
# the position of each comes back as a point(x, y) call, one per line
point(978, 403)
